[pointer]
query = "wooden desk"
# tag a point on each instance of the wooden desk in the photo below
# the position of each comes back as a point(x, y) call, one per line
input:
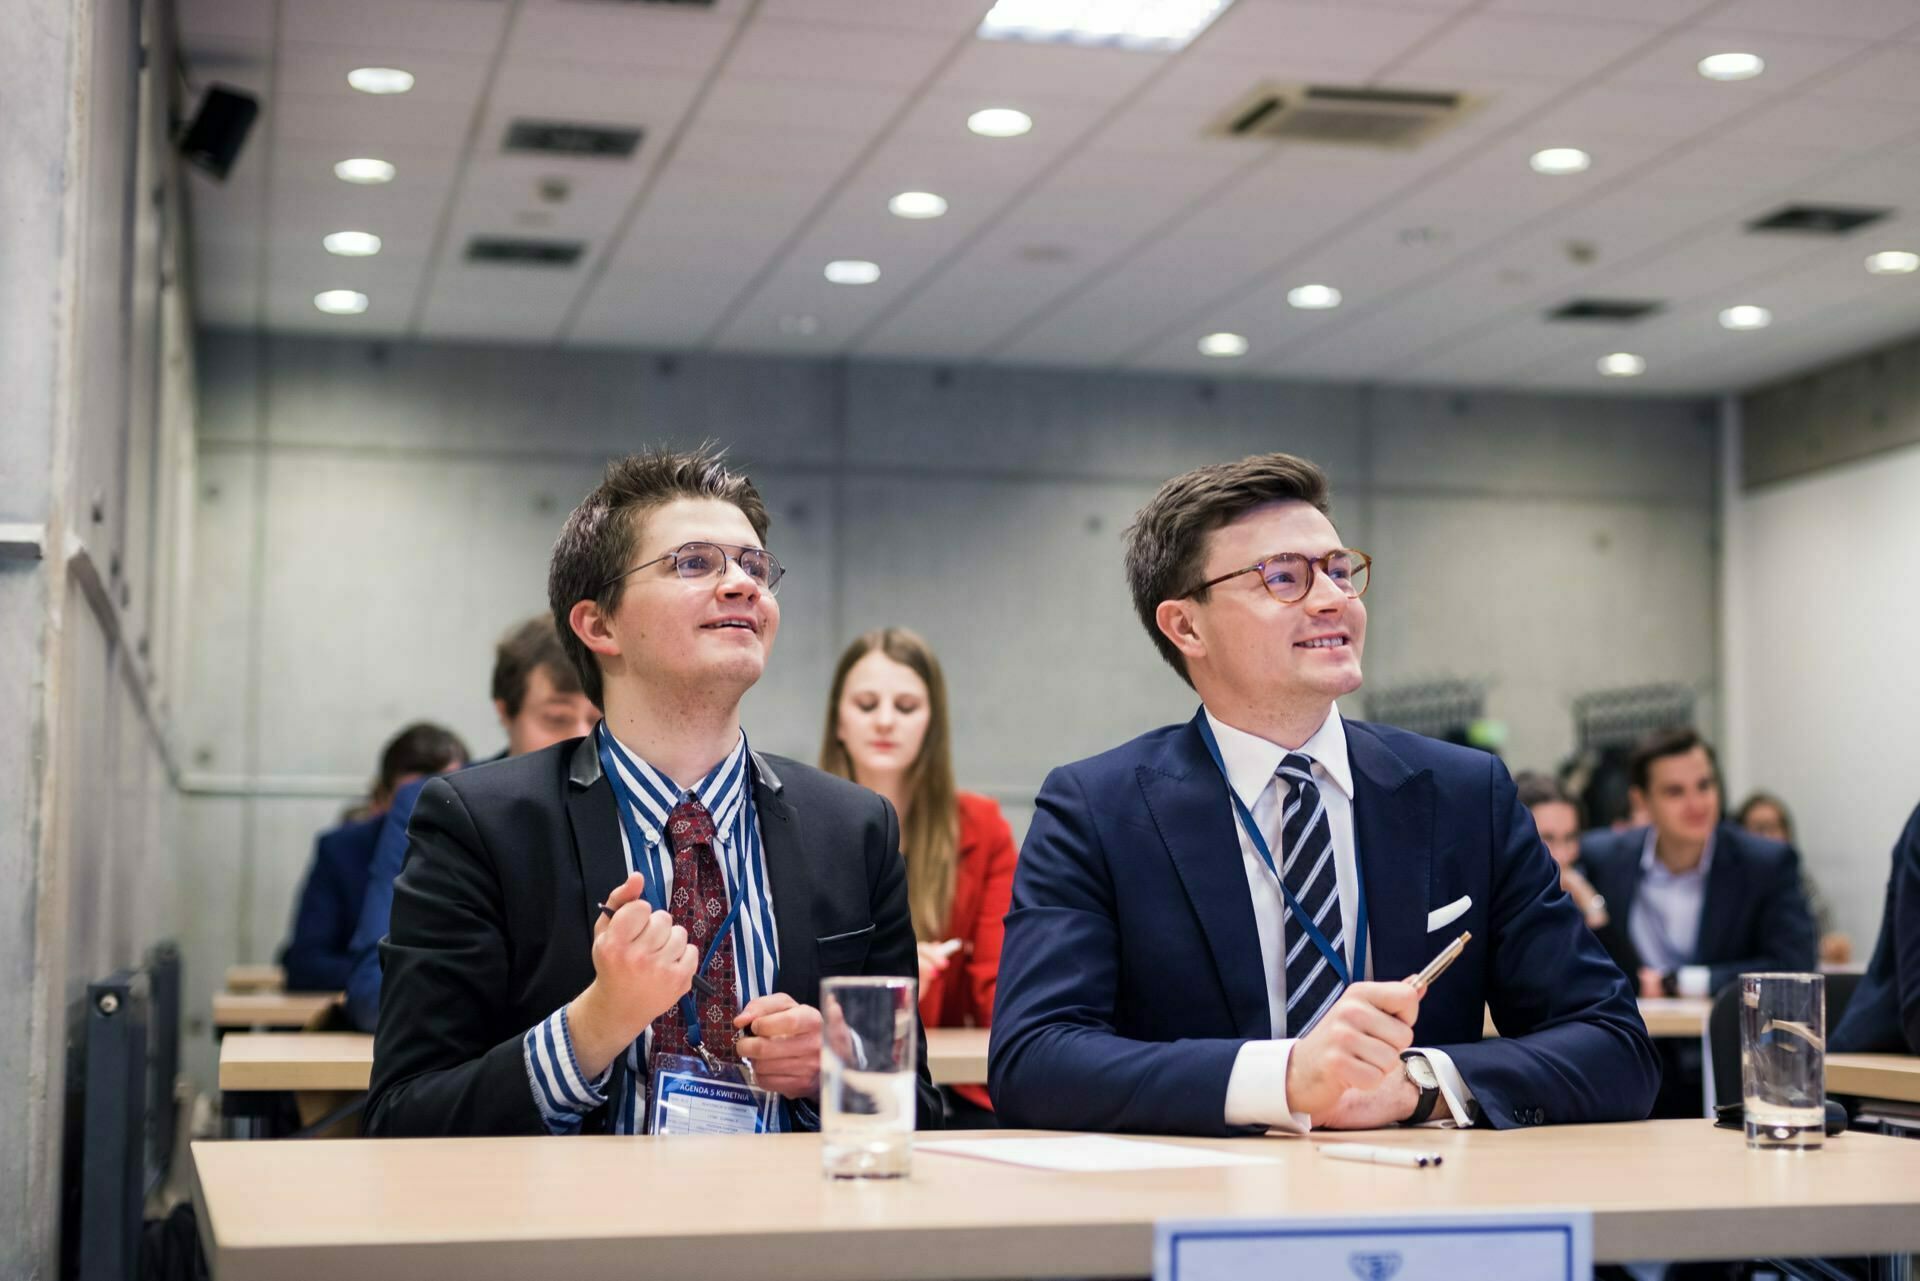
point(256, 978)
point(296, 1061)
point(472, 1209)
point(1875, 1076)
point(1666, 1016)
point(270, 1009)
point(957, 1055)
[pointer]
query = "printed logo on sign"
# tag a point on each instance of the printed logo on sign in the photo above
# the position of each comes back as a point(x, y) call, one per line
point(1368, 1266)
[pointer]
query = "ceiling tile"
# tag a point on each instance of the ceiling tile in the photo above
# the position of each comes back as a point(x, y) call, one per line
point(819, 53)
point(947, 16)
point(1790, 59)
point(1889, 74)
point(1563, 48)
point(320, 70)
point(682, 42)
point(1298, 33)
point(996, 69)
point(1871, 19)
point(445, 26)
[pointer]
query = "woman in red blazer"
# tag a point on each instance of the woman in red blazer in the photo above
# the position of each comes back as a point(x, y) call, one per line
point(887, 729)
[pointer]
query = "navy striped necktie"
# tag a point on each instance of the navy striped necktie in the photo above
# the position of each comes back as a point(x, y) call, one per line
point(1307, 870)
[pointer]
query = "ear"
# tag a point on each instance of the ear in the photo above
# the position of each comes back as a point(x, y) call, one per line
point(500, 710)
point(1175, 618)
point(1637, 798)
point(590, 624)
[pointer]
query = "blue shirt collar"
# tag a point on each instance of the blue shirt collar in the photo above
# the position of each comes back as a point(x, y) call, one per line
point(723, 791)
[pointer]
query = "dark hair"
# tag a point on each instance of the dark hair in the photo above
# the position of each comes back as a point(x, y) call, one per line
point(529, 645)
point(1766, 798)
point(1167, 541)
point(1536, 788)
point(1662, 743)
point(599, 537)
point(420, 748)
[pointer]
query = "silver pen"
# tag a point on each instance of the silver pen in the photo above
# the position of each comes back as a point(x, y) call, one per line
point(1438, 965)
point(1372, 1154)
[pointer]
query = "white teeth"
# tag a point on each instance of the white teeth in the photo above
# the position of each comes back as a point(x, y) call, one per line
point(1325, 642)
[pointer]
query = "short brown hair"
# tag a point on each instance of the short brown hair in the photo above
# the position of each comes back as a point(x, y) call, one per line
point(420, 748)
point(599, 537)
point(526, 646)
point(1535, 788)
point(1662, 743)
point(1168, 539)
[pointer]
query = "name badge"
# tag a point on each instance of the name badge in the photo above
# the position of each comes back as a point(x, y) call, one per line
point(688, 1097)
point(1431, 1247)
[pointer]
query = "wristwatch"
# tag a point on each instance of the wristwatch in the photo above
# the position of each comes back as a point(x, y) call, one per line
point(1421, 1073)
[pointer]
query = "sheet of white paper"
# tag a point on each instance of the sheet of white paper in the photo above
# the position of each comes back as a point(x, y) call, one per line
point(1086, 1154)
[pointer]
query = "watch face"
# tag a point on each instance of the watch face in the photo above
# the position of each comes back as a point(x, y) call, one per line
point(1421, 1073)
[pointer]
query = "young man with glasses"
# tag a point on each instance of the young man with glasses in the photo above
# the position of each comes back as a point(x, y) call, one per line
point(1211, 924)
point(570, 921)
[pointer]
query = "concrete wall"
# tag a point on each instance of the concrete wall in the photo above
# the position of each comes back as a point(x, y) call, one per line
point(370, 517)
point(95, 458)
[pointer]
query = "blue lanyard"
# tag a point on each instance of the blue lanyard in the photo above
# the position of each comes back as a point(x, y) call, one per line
point(648, 849)
point(1305, 922)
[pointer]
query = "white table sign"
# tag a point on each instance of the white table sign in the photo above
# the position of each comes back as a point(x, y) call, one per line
point(1468, 1246)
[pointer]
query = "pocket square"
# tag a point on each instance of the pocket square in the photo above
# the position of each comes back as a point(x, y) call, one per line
point(1449, 914)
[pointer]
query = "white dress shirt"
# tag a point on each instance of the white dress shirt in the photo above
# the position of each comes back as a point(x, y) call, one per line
point(1257, 1087)
point(1665, 921)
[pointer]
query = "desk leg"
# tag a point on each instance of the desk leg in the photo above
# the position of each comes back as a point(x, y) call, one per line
point(1880, 1267)
point(245, 1114)
point(1893, 1267)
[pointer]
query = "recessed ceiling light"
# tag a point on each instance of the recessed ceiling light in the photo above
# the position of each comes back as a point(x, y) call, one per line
point(852, 271)
point(1223, 344)
point(1000, 122)
point(1745, 317)
point(1560, 160)
point(352, 244)
point(1159, 25)
point(1732, 66)
point(917, 204)
point(1314, 297)
point(1623, 364)
point(341, 302)
point(1893, 262)
point(380, 79)
point(364, 171)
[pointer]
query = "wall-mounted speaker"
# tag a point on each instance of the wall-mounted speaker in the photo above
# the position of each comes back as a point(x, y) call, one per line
point(212, 142)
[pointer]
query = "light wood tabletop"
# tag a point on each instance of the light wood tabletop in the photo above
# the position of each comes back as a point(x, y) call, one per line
point(472, 1209)
point(1875, 1076)
point(296, 1061)
point(256, 978)
point(271, 1009)
point(1665, 1016)
point(957, 1055)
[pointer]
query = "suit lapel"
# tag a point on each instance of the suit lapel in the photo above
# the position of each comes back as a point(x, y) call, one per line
point(1393, 813)
point(596, 829)
point(1188, 799)
point(792, 886)
point(1720, 905)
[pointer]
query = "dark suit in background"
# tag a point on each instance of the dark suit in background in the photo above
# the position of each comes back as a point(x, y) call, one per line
point(493, 915)
point(1132, 973)
point(318, 956)
point(1884, 1014)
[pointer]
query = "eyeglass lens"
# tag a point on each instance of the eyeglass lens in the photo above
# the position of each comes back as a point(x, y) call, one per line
point(700, 560)
point(1289, 575)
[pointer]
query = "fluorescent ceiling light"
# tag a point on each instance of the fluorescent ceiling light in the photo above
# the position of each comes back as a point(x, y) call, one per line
point(917, 204)
point(852, 271)
point(380, 79)
point(1000, 122)
point(341, 302)
point(352, 244)
point(363, 171)
point(1893, 262)
point(1560, 160)
point(1623, 364)
point(1732, 66)
point(1157, 26)
point(1745, 317)
point(1314, 297)
point(1223, 344)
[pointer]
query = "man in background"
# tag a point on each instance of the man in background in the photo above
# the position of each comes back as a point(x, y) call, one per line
point(538, 698)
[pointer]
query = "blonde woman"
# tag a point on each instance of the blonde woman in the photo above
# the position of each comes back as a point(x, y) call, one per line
point(887, 729)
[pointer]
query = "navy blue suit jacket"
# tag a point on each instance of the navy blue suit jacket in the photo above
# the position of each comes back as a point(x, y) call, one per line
point(1884, 1014)
point(317, 957)
point(376, 908)
point(1131, 972)
point(1753, 916)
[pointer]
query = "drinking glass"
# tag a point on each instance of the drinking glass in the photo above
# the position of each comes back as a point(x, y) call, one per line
point(869, 1047)
point(1783, 1039)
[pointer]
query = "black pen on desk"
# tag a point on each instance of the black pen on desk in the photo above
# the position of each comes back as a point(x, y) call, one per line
point(701, 983)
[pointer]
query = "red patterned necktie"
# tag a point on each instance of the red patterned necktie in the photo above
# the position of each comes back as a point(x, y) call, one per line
point(700, 907)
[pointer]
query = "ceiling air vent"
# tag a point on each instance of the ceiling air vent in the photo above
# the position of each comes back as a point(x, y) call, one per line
point(1821, 220)
point(1618, 310)
point(1348, 116)
point(565, 138)
point(525, 253)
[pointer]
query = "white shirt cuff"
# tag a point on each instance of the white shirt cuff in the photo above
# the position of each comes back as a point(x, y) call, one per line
point(1453, 1087)
point(1257, 1088)
point(1693, 980)
point(561, 1093)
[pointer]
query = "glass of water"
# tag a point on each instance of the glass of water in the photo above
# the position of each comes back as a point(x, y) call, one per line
point(1783, 1040)
point(869, 1050)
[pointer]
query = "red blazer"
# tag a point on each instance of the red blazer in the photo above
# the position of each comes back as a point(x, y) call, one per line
point(962, 994)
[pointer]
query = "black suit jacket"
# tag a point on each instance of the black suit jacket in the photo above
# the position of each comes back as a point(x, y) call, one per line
point(493, 915)
point(1884, 1014)
point(1753, 916)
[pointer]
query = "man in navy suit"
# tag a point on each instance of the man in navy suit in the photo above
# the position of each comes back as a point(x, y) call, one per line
point(1693, 902)
point(1884, 1014)
point(1212, 923)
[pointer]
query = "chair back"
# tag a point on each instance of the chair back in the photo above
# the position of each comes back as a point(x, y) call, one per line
point(1723, 1030)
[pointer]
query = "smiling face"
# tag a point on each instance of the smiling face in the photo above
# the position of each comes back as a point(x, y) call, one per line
point(883, 714)
point(713, 633)
point(1682, 795)
point(1244, 649)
